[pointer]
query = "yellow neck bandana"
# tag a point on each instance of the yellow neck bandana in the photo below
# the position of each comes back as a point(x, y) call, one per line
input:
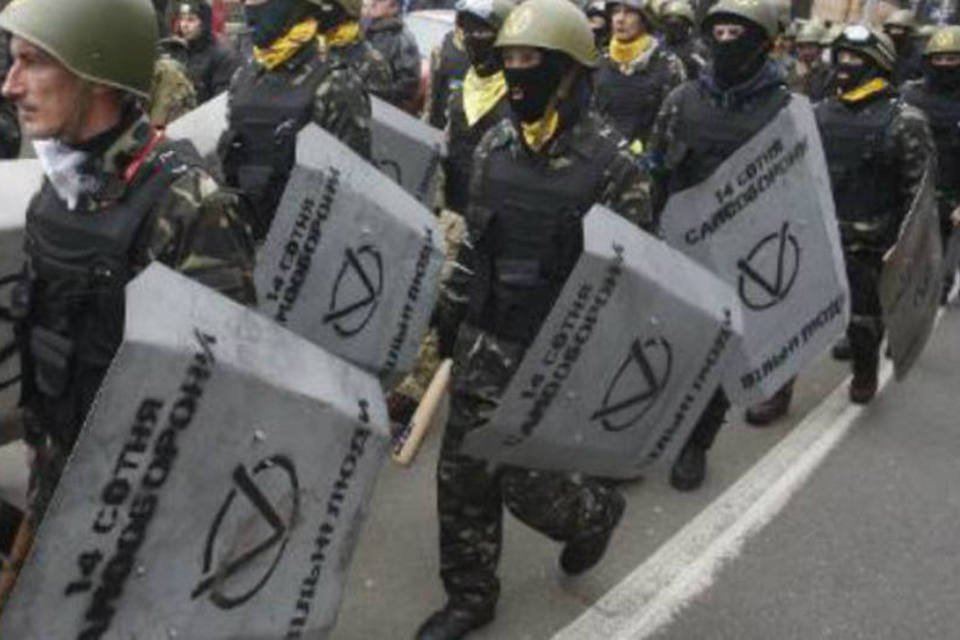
point(287, 45)
point(342, 35)
point(538, 134)
point(482, 94)
point(627, 52)
point(865, 90)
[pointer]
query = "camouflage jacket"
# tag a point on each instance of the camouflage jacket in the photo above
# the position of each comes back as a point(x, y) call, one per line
point(367, 62)
point(625, 188)
point(172, 93)
point(398, 47)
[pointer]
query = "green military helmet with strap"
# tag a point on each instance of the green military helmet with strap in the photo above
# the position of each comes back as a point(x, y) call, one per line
point(351, 7)
point(763, 13)
point(555, 25)
point(647, 8)
point(870, 43)
point(678, 9)
point(903, 18)
point(944, 40)
point(493, 12)
point(812, 32)
point(110, 42)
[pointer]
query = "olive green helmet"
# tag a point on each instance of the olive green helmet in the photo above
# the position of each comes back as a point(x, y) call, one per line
point(111, 42)
point(904, 18)
point(812, 32)
point(763, 13)
point(944, 40)
point(870, 43)
point(678, 9)
point(493, 12)
point(556, 25)
point(350, 7)
point(649, 9)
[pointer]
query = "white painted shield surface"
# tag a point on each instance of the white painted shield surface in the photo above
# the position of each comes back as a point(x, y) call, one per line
point(912, 280)
point(203, 126)
point(351, 262)
point(406, 149)
point(217, 488)
point(765, 223)
point(624, 364)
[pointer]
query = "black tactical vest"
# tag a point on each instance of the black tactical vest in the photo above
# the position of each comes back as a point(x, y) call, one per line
point(448, 76)
point(710, 133)
point(631, 102)
point(533, 240)
point(463, 141)
point(863, 168)
point(79, 264)
point(267, 111)
point(943, 113)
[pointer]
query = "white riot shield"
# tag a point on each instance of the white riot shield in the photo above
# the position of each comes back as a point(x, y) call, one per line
point(624, 365)
point(765, 223)
point(407, 149)
point(351, 262)
point(217, 489)
point(203, 126)
point(912, 280)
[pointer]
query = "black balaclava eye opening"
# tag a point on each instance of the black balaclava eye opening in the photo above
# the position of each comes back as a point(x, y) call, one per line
point(676, 30)
point(848, 77)
point(537, 85)
point(478, 40)
point(737, 61)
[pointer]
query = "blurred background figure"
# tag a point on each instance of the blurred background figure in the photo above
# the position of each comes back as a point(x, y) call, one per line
point(386, 31)
point(811, 75)
point(210, 63)
point(681, 38)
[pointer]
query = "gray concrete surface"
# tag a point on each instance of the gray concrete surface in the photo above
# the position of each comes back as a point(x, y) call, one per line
point(393, 581)
point(869, 548)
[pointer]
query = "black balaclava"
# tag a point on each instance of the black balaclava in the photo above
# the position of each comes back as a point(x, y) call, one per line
point(271, 20)
point(940, 78)
point(676, 30)
point(330, 15)
point(737, 61)
point(848, 77)
point(539, 84)
point(483, 57)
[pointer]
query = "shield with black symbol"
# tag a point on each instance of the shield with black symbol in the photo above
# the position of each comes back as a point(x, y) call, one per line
point(912, 281)
point(217, 488)
point(406, 149)
point(626, 361)
point(764, 222)
point(351, 262)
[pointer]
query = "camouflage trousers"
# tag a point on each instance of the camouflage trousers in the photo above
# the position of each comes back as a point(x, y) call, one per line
point(471, 493)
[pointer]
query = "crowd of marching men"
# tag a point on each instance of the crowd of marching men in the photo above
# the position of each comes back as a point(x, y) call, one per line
point(548, 108)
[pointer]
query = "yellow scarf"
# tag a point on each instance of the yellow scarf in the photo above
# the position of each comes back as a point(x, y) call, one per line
point(482, 94)
point(287, 45)
point(341, 35)
point(626, 52)
point(865, 90)
point(538, 134)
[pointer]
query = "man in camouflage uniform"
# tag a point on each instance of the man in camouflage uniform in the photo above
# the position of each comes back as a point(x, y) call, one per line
point(811, 75)
point(701, 124)
point(938, 97)
point(448, 66)
point(284, 87)
point(636, 72)
point(9, 128)
point(901, 27)
point(116, 196)
point(878, 149)
point(534, 177)
point(342, 40)
point(680, 37)
point(394, 41)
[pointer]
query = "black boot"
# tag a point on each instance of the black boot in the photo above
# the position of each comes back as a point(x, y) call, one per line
point(865, 344)
point(580, 555)
point(452, 622)
point(764, 413)
point(690, 468)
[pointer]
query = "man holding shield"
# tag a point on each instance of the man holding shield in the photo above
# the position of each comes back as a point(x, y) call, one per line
point(534, 178)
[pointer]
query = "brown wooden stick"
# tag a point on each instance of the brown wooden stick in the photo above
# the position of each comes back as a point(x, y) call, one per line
point(18, 554)
point(425, 415)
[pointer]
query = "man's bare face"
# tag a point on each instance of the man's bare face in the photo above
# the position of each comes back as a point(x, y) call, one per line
point(50, 100)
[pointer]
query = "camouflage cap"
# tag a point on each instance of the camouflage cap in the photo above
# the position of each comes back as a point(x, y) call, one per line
point(944, 40)
point(555, 25)
point(111, 42)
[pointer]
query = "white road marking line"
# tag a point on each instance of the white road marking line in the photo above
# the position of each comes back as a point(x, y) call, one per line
point(686, 565)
